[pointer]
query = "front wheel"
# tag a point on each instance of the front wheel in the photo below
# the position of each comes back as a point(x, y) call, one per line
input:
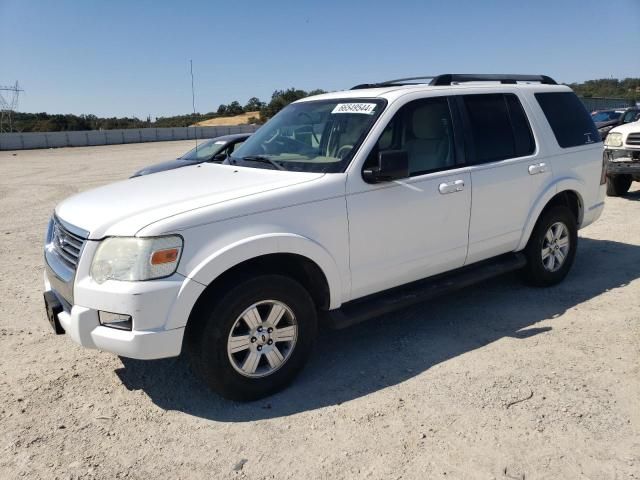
point(618, 185)
point(551, 248)
point(253, 340)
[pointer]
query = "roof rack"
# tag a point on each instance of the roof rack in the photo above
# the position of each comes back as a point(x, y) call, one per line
point(455, 78)
point(394, 83)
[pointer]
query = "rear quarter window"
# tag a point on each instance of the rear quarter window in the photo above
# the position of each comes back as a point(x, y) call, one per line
point(571, 123)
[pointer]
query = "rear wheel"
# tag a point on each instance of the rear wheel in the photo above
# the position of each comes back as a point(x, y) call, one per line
point(618, 185)
point(552, 247)
point(253, 340)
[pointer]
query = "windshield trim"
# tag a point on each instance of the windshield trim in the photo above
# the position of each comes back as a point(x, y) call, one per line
point(334, 167)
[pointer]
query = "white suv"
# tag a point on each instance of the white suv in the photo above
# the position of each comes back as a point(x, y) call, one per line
point(343, 206)
point(622, 153)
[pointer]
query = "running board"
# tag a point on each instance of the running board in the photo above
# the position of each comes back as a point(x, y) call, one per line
point(404, 296)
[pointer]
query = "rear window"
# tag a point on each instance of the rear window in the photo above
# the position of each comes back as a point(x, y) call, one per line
point(499, 127)
point(571, 123)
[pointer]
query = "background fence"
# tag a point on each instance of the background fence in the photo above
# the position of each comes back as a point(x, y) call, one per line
point(601, 103)
point(20, 141)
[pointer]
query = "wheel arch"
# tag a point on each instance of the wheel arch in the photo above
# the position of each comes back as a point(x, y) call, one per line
point(564, 192)
point(292, 255)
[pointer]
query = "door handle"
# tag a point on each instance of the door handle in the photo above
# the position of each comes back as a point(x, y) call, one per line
point(451, 187)
point(537, 168)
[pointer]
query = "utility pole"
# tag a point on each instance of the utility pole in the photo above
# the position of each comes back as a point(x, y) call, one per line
point(8, 105)
point(193, 102)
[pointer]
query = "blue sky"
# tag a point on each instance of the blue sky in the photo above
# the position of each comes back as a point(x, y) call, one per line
point(117, 58)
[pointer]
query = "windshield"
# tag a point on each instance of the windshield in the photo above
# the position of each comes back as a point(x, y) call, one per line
point(205, 150)
point(315, 136)
point(607, 116)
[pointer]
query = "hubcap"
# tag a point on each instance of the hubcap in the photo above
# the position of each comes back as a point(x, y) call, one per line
point(262, 338)
point(555, 247)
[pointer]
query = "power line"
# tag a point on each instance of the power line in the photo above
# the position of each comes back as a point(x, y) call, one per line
point(8, 105)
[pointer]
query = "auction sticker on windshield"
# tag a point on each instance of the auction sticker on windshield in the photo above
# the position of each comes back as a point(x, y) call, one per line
point(366, 108)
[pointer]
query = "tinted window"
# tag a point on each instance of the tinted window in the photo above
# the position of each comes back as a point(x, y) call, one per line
point(571, 123)
point(499, 127)
point(523, 138)
point(423, 129)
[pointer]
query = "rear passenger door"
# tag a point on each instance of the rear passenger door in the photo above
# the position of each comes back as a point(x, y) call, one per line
point(506, 171)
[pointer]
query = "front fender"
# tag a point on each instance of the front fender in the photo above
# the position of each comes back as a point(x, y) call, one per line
point(235, 253)
point(558, 186)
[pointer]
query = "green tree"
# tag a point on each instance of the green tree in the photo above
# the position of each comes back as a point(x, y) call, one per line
point(234, 108)
point(254, 105)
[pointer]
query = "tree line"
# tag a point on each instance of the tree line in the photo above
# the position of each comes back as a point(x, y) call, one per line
point(45, 122)
point(628, 88)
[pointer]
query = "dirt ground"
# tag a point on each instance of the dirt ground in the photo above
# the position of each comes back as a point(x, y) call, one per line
point(499, 381)
point(235, 120)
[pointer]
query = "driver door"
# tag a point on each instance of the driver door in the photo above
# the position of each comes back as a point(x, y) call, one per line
point(405, 230)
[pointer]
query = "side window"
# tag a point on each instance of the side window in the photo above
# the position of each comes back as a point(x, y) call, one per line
point(234, 147)
point(571, 123)
point(523, 138)
point(423, 129)
point(499, 127)
point(630, 116)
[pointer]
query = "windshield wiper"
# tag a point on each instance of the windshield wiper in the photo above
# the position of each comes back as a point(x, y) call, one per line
point(262, 159)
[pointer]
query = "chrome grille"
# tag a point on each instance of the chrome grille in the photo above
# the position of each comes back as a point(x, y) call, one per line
point(66, 244)
point(633, 139)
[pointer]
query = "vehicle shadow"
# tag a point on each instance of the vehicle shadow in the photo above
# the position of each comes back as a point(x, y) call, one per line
point(386, 351)
point(632, 195)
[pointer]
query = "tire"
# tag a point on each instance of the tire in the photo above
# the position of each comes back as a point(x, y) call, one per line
point(255, 370)
point(618, 185)
point(541, 270)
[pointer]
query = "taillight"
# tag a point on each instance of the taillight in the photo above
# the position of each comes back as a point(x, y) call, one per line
point(603, 174)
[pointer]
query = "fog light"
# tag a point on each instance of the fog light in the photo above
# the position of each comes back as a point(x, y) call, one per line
point(115, 320)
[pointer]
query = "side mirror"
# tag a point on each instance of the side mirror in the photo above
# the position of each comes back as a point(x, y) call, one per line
point(392, 165)
point(220, 157)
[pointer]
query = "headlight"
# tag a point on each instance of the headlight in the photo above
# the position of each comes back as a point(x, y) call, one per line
point(133, 259)
point(613, 140)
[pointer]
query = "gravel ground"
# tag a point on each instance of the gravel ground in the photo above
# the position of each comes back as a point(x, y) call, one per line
point(509, 383)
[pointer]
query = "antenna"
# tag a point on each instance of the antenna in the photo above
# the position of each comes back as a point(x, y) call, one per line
point(8, 105)
point(193, 102)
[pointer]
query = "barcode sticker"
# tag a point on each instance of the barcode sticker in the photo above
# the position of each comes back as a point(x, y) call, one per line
point(366, 108)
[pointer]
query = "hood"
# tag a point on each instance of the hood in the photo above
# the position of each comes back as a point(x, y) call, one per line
point(123, 208)
point(633, 127)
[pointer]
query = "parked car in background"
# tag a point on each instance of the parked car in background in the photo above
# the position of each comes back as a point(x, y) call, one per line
point(342, 207)
point(215, 150)
point(622, 154)
point(605, 120)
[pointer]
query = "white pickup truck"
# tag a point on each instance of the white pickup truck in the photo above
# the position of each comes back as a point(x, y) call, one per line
point(343, 206)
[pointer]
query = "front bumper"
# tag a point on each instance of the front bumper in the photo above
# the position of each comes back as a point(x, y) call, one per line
point(159, 309)
point(623, 161)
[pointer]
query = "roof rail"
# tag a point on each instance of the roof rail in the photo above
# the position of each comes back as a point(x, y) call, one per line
point(394, 83)
point(453, 78)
